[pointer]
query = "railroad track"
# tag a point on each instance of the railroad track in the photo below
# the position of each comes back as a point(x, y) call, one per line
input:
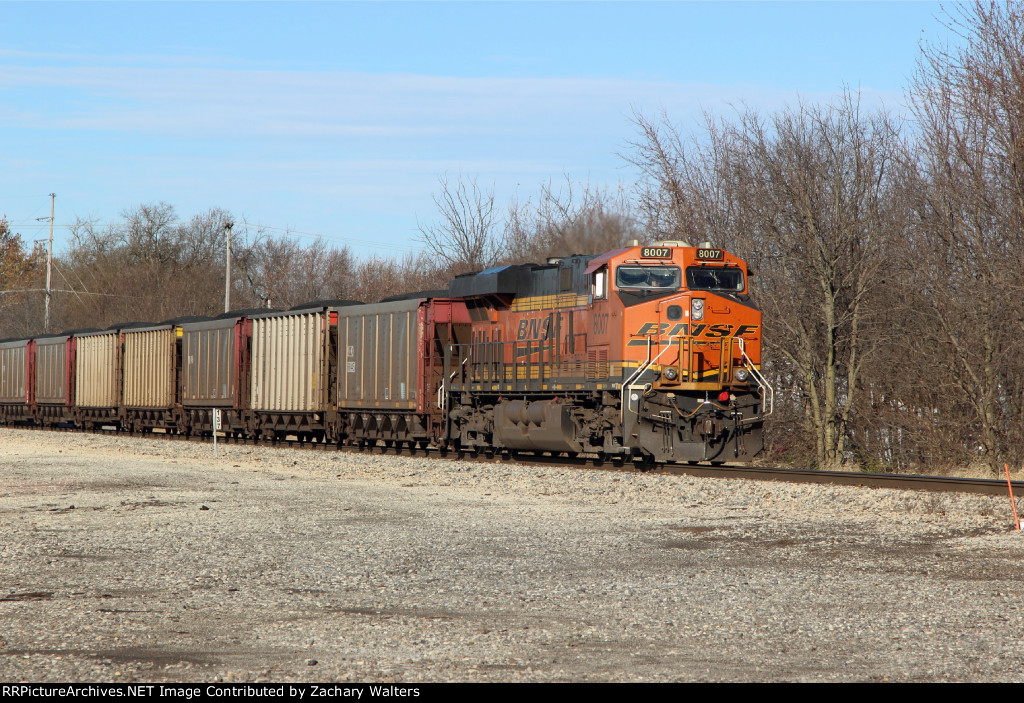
point(985, 486)
point(755, 473)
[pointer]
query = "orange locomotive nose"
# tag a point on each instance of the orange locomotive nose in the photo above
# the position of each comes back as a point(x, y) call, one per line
point(696, 345)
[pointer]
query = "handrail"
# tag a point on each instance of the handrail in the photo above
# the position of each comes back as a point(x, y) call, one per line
point(442, 392)
point(759, 377)
point(626, 387)
point(688, 348)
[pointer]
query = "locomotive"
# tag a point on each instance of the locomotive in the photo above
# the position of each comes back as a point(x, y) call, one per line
point(645, 353)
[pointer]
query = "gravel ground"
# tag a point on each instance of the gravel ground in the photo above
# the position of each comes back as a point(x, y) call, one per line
point(149, 560)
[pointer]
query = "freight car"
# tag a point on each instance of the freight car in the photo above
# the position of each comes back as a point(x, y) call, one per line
point(643, 353)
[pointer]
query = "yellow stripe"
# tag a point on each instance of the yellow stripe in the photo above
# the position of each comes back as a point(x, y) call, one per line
point(549, 302)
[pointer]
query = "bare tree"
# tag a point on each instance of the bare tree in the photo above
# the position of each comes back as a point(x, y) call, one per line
point(21, 285)
point(283, 272)
point(679, 195)
point(464, 235)
point(149, 267)
point(575, 219)
point(969, 239)
point(809, 197)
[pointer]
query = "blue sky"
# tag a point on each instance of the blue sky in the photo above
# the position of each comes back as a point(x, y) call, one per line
point(337, 118)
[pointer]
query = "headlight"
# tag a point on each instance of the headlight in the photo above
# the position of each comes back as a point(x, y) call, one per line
point(697, 309)
point(740, 375)
point(670, 373)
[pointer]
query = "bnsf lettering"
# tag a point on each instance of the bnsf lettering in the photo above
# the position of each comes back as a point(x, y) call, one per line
point(653, 328)
point(650, 328)
point(709, 254)
point(534, 329)
point(717, 331)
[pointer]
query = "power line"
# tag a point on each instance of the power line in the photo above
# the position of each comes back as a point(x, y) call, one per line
point(257, 227)
point(64, 290)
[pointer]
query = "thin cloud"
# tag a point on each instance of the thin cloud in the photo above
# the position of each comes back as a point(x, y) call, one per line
point(207, 102)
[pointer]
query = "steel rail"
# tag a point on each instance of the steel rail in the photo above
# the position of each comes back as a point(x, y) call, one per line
point(918, 482)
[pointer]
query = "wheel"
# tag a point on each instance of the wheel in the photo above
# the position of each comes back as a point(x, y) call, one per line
point(643, 463)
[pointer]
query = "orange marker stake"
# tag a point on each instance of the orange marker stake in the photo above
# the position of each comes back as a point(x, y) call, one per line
point(1013, 504)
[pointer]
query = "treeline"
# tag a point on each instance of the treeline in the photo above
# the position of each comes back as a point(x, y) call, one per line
point(150, 266)
point(886, 254)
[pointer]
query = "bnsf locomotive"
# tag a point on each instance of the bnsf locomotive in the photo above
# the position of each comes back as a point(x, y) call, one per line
point(643, 353)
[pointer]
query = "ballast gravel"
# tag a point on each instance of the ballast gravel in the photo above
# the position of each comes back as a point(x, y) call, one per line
point(150, 560)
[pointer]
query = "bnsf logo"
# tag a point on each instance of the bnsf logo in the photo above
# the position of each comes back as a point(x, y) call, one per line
point(717, 331)
point(534, 329)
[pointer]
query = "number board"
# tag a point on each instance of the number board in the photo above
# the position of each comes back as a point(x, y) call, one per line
point(710, 254)
point(656, 253)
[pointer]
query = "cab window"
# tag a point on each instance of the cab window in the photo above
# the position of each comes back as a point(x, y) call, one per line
point(648, 277)
point(714, 278)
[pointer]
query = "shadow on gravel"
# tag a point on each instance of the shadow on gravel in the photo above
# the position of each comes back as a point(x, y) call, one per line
point(153, 503)
point(692, 529)
point(157, 657)
point(921, 556)
point(81, 556)
point(860, 542)
point(397, 613)
point(30, 595)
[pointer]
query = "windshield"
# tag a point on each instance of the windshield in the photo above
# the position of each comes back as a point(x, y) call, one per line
point(649, 277)
point(714, 278)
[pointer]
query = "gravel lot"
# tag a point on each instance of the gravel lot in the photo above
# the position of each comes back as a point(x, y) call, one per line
point(149, 560)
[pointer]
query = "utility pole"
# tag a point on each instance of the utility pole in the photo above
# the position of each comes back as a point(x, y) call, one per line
point(49, 267)
point(227, 266)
